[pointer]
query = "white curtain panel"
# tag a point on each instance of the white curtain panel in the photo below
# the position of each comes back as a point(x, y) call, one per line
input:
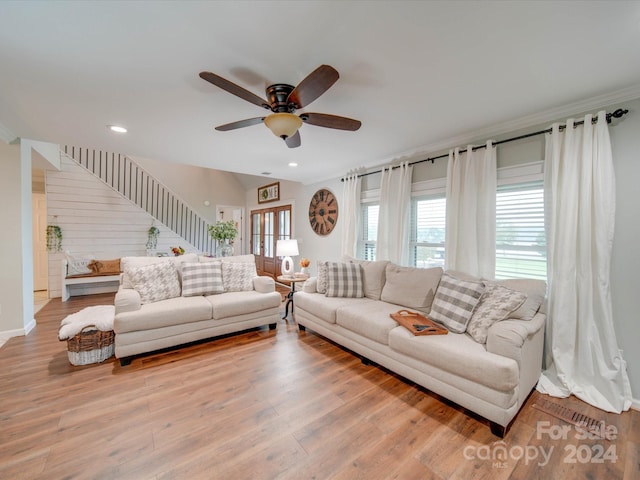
point(350, 214)
point(394, 214)
point(470, 243)
point(581, 352)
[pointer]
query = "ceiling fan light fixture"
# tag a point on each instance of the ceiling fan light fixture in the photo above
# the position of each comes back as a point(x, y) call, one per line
point(283, 125)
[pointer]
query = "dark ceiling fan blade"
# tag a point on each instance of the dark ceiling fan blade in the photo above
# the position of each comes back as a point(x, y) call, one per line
point(234, 89)
point(240, 124)
point(314, 85)
point(331, 121)
point(294, 141)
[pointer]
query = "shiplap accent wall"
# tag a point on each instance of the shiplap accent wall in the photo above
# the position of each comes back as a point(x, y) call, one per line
point(96, 220)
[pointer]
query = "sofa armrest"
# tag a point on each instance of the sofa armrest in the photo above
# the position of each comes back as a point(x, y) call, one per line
point(264, 284)
point(127, 300)
point(508, 337)
point(310, 285)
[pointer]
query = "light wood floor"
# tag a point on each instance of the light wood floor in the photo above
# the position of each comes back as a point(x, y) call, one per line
point(265, 405)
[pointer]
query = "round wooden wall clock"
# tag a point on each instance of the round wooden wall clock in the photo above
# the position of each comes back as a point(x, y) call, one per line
point(323, 212)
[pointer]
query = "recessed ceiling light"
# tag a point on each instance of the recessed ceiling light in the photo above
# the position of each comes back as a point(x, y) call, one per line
point(293, 164)
point(117, 128)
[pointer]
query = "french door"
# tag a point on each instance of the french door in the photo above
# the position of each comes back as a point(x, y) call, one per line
point(268, 225)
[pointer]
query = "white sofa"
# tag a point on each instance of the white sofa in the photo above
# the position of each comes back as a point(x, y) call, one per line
point(145, 327)
point(492, 379)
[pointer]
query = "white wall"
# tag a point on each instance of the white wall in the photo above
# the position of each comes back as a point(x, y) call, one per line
point(195, 185)
point(11, 307)
point(625, 267)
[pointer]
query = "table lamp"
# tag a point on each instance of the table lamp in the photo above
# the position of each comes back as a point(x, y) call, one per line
point(287, 249)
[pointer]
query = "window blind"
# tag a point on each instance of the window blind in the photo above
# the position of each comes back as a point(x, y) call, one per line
point(521, 250)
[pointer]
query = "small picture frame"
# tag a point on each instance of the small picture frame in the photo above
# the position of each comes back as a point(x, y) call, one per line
point(269, 193)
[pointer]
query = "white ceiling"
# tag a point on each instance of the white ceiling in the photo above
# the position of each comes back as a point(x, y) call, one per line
point(415, 73)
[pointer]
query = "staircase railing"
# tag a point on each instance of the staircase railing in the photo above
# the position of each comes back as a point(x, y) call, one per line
point(130, 180)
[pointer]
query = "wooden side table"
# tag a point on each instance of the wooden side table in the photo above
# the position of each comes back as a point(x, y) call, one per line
point(292, 279)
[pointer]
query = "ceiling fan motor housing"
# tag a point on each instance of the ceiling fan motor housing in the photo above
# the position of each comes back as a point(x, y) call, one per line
point(278, 94)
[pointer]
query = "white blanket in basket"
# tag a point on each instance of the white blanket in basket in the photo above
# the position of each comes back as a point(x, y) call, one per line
point(101, 316)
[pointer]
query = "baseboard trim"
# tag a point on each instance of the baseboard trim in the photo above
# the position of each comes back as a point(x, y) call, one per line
point(19, 332)
point(29, 326)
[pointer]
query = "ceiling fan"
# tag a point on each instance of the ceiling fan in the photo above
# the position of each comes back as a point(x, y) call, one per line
point(284, 100)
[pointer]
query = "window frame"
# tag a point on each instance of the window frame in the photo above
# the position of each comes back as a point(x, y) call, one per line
point(365, 244)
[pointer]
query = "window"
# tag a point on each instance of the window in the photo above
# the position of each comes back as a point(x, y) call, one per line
point(521, 250)
point(369, 232)
point(428, 217)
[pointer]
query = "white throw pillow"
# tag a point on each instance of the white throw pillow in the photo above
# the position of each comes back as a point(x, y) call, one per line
point(126, 263)
point(201, 278)
point(78, 264)
point(495, 305)
point(238, 277)
point(454, 302)
point(155, 282)
point(345, 280)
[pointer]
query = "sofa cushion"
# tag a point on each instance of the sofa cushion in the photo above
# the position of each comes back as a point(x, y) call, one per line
point(310, 285)
point(496, 303)
point(238, 277)
point(173, 311)
point(373, 276)
point(201, 278)
point(231, 304)
point(410, 287)
point(454, 302)
point(345, 280)
point(155, 282)
point(134, 262)
point(323, 277)
point(323, 307)
point(460, 355)
point(371, 319)
point(535, 291)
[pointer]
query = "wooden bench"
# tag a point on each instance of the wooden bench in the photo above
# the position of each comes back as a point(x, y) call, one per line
point(87, 279)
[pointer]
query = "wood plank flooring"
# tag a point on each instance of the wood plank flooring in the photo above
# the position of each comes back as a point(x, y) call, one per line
point(267, 405)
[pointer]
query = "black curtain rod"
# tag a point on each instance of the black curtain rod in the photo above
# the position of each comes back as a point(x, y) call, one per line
point(617, 114)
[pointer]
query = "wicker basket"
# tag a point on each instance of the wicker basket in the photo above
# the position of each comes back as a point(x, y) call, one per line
point(90, 346)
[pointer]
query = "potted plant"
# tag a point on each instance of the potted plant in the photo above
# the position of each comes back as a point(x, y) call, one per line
point(54, 238)
point(152, 237)
point(224, 233)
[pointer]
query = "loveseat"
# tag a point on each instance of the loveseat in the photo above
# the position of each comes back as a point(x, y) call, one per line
point(489, 361)
point(167, 301)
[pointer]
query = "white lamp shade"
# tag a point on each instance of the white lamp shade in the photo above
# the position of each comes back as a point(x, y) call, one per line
point(287, 249)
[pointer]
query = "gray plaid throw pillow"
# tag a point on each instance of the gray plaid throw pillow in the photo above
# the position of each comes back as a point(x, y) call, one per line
point(345, 280)
point(454, 302)
point(201, 278)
